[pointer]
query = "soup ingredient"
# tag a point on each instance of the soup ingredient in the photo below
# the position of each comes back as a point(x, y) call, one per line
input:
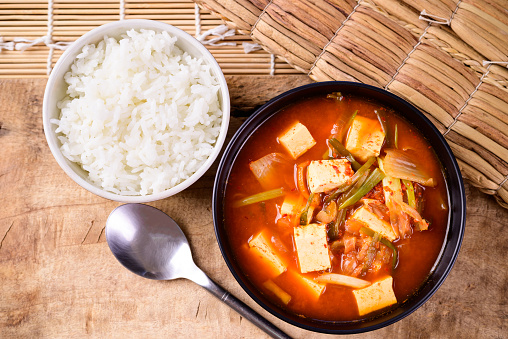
point(410, 193)
point(371, 252)
point(413, 213)
point(268, 195)
point(326, 175)
point(312, 247)
point(341, 127)
point(399, 220)
point(300, 177)
point(328, 213)
point(340, 149)
point(396, 137)
point(344, 280)
point(343, 188)
point(373, 222)
point(297, 140)
point(279, 292)
point(403, 165)
point(305, 283)
point(385, 242)
point(268, 168)
point(335, 95)
point(140, 115)
point(376, 296)
point(291, 206)
point(304, 218)
point(261, 245)
point(365, 138)
point(373, 179)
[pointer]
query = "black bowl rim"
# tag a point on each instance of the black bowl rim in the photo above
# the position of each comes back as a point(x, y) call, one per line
point(460, 214)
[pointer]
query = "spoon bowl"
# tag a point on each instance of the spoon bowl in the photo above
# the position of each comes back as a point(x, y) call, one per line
point(150, 243)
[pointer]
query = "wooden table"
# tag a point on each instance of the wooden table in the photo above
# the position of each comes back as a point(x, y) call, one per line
point(59, 279)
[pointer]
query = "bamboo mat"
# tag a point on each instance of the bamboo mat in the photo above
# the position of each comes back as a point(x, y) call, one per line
point(447, 57)
point(28, 20)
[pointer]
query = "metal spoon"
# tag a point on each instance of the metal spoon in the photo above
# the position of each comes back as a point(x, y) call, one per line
point(149, 243)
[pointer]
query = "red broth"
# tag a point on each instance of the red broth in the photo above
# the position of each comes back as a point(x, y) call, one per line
point(417, 255)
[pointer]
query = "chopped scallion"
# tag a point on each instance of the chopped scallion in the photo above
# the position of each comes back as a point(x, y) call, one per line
point(411, 201)
point(343, 188)
point(374, 178)
point(396, 137)
point(303, 216)
point(384, 126)
point(346, 126)
point(268, 195)
point(344, 152)
point(335, 95)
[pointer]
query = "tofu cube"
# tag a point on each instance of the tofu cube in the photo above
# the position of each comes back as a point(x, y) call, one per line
point(315, 288)
point(325, 175)
point(291, 206)
point(262, 247)
point(375, 297)
point(297, 140)
point(365, 138)
point(374, 223)
point(312, 248)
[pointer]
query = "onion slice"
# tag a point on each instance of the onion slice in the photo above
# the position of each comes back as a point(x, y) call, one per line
point(344, 280)
point(402, 165)
point(268, 168)
point(413, 213)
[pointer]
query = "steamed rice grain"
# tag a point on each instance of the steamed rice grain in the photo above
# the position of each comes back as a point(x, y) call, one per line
point(140, 115)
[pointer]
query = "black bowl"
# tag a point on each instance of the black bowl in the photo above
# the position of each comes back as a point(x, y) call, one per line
point(455, 187)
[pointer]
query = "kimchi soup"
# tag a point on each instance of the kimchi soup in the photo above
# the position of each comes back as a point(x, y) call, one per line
point(336, 208)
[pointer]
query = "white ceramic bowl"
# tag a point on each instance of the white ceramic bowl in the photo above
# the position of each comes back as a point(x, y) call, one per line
point(56, 88)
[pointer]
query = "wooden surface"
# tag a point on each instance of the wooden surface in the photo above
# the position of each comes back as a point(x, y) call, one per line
point(58, 278)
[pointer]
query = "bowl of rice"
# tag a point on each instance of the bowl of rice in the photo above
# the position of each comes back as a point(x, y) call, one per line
point(136, 110)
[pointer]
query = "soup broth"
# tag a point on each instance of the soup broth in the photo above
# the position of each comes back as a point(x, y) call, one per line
point(368, 259)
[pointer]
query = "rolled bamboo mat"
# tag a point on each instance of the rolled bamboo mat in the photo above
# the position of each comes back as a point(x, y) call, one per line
point(25, 21)
point(447, 57)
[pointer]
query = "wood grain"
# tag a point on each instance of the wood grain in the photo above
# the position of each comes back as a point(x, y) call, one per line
point(59, 279)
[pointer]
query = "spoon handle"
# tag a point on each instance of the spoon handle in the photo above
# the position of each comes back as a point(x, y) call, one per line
point(244, 310)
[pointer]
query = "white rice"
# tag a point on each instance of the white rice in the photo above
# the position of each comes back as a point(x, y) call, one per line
point(140, 115)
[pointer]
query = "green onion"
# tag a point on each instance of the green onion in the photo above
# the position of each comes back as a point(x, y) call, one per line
point(344, 152)
point(374, 178)
point(396, 138)
point(388, 244)
point(350, 121)
point(345, 127)
point(411, 201)
point(341, 189)
point(333, 231)
point(384, 241)
point(354, 178)
point(335, 95)
point(371, 252)
point(303, 216)
point(384, 126)
point(272, 194)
